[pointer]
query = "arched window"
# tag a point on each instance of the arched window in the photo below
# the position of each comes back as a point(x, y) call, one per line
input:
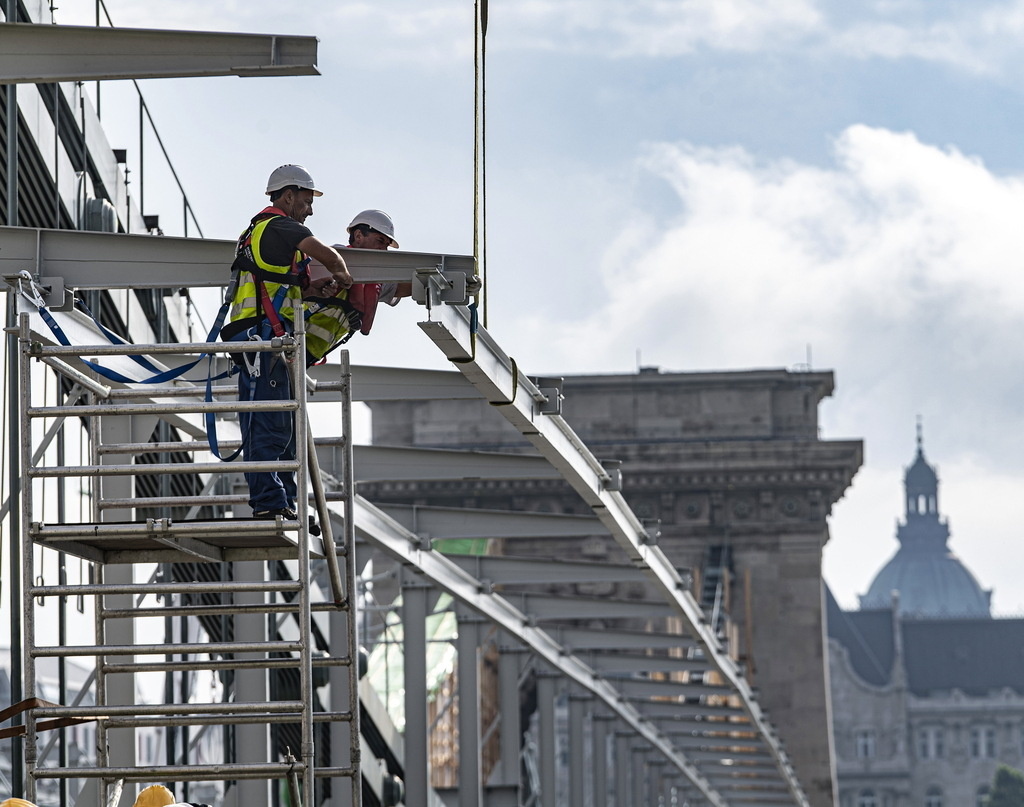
point(866, 798)
point(981, 799)
point(933, 798)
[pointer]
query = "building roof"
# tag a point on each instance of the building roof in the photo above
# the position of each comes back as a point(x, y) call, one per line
point(867, 637)
point(975, 656)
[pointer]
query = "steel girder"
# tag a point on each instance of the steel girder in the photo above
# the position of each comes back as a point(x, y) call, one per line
point(378, 528)
point(91, 260)
point(396, 463)
point(48, 254)
point(521, 402)
point(37, 53)
point(452, 522)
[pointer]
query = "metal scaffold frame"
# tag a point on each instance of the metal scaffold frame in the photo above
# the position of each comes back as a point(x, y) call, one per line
point(665, 702)
point(711, 732)
point(115, 540)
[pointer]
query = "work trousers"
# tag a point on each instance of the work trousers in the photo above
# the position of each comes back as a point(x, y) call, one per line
point(268, 436)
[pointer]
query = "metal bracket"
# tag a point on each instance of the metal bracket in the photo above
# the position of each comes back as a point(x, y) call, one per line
point(57, 295)
point(614, 470)
point(551, 389)
point(652, 531)
point(431, 286)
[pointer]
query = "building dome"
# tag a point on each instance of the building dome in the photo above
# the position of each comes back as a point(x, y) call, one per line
point(930, 579)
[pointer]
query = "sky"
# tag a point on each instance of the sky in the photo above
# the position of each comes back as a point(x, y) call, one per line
point(689, 184)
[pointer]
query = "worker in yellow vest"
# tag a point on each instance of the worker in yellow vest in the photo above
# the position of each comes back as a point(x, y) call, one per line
point(270, 274)
point(331, 321)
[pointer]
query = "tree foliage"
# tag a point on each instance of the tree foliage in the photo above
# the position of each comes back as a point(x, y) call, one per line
point(1008, 788)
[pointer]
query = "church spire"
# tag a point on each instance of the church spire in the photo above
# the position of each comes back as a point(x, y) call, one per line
point(922, 527)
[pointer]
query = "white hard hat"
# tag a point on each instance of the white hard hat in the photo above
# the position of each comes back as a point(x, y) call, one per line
point(286, 175)
point(379, 221)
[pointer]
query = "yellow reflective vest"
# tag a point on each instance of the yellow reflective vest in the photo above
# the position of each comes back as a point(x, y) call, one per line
point(246, 303)
point(325, 327)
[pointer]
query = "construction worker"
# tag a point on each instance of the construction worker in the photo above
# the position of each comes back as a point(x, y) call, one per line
point(270, 272)
point(154, 796)
point(15, 802)
point(331, 321)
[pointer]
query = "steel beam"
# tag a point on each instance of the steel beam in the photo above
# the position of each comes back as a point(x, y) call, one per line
point(393, 463)
point(479, 358)
point(456, 522)
point(376, 527)
point(409, 384)
point(92, 260)
point(654, 688)
point(611, 663)
point(550, 606)
point(580, 639)
point(518, 571)
point(36, 54)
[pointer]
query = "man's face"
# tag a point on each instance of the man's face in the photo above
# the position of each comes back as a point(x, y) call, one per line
point(371, 240)
point(297, 205)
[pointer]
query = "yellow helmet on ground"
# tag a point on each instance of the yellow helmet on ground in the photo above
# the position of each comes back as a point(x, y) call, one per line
point(16, 803)
point(154, 796)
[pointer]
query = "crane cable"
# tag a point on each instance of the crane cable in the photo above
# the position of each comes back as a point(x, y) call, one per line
point(479, 143)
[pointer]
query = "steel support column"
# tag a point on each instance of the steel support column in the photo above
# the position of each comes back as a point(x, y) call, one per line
point(340, 693)
point(599, 759)
point(547, 739)
point(119, 689)
point(577, 748)
point(415, 596)
point(252, 741)
point(468, 649)
point(623, 759)
point(638, 764)
point(509, 729)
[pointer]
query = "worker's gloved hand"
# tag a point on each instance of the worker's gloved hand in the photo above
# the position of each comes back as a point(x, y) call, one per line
point(324, 286)
point(355, 319)
point(473, 285)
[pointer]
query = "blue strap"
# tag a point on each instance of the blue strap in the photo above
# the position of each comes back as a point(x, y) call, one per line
point(160, 376)
point(211, 420)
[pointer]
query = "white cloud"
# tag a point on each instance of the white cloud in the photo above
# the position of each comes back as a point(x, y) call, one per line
point(899, 266)
point(979, 37)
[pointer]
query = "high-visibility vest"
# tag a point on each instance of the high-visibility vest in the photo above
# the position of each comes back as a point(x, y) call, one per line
point(325, 327)
point(249, 262)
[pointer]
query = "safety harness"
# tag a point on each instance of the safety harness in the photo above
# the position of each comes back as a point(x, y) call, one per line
point(247, 260)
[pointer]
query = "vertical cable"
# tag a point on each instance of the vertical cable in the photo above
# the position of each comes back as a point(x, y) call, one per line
point(479, 143)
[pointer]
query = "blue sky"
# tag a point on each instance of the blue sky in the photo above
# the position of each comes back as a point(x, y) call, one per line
point(759, 181)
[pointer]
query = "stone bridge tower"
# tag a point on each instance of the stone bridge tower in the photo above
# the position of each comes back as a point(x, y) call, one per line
point(729, 467)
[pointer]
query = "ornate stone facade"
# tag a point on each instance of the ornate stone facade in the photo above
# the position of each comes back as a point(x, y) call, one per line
point(729, 469)
point(925, 704)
